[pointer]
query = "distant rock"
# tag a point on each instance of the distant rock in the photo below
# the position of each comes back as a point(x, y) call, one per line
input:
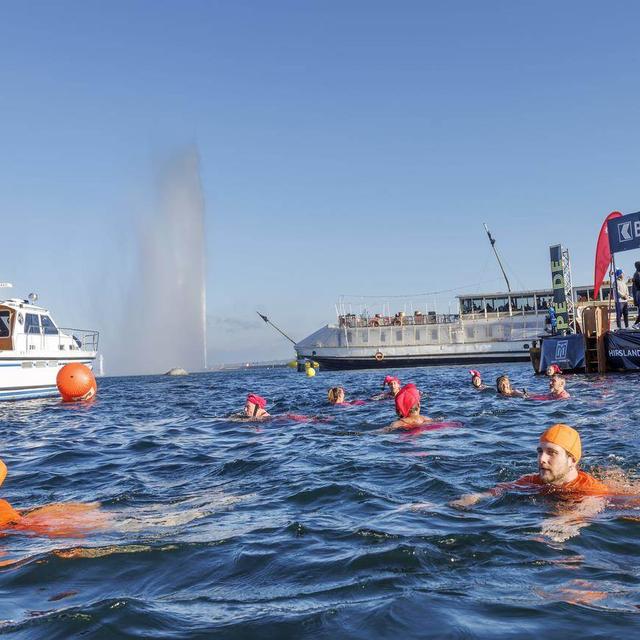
point(176, 371)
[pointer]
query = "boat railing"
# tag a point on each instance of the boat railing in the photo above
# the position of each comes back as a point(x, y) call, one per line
point(61, 339)
point(82, 339)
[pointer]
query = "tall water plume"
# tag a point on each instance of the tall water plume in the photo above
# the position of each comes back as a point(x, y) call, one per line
point(165, 325)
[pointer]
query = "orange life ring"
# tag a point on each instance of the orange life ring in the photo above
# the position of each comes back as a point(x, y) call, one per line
point(379, 356)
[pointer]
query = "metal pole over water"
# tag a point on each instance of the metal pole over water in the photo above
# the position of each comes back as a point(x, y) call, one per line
point(493, 246)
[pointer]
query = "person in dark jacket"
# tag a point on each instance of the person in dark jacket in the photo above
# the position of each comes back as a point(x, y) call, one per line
point(635, 292)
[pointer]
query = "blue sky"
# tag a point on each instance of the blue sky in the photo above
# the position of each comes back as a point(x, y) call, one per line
point(346, 147)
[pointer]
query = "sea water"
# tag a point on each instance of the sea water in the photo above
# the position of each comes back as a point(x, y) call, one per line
point(316, 529)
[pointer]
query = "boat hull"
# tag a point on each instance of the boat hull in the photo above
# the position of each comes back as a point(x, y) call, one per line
point(341, 363)
point(26, 378)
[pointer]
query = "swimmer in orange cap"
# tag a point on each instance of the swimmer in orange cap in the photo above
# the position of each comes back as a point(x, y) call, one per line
point(504, 388)
point(559, 452)
point(408, 409)
point(394, 388)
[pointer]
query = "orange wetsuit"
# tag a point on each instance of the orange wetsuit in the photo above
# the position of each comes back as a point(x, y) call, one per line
point(8, 515)
point(584, 484)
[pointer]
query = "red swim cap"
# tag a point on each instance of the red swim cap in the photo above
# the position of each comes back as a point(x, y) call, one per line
point(407, 398)
point(257, 400)
point(390, 379)
point(475, 373)
point(555, 368)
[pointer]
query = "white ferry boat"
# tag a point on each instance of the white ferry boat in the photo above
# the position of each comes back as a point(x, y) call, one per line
point(488, 327)
point(33, 349)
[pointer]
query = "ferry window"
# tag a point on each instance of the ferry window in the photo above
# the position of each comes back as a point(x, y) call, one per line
point(515, 304)
point(5, 319)
point(383, 336)
point(31, 323)
point(497, 304)
point(470, 332)
point(364, 336)
point(582, 295)
point(47, 325)
point(544, 301)
point(466, 305)
point(478, 305)
point(399, 336)
point(434, 334)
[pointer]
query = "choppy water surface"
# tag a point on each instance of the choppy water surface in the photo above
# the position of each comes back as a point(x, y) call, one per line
point(323, 529)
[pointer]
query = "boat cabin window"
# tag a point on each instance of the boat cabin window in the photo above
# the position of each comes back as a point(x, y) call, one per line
point(5, 323)
point(583, 295)
point(31, 323)
point(47, 325)
point(523, 303)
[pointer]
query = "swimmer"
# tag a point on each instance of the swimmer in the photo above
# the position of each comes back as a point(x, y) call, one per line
point(552, 369)
point(394, 388)
point(336, 395)
point(503, 386)
point(556, 390)
point(254, 409)
point(408, 409)
point(476, 380)
point(61, 519)
point(559, 452)
point(8, 515)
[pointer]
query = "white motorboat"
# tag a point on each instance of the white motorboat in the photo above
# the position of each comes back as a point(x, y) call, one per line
point(33, 349)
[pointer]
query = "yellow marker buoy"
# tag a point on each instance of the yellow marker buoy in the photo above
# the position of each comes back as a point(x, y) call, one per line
point(315, 365)
point(293, 364)
point(311, 372)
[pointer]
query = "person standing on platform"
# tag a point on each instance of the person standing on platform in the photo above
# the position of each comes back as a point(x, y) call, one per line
point(622, 303)
point(635, 290)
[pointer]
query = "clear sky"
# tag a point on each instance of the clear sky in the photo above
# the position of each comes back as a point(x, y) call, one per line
point(347, 147)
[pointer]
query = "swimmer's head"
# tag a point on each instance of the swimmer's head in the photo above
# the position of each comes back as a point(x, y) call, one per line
point(3, 472)
point(503, 385)
point(557, 383)
point(394, 384)
point(253, 405)
point(476, 378)
point(336, 395)
point(408, 401)
point(559, 452)
point(619, 273)
point(553, 369)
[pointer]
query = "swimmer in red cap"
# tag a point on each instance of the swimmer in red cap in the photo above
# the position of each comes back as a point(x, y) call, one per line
point(476, 380)
point(559, 452)
point(408, 409)
point(254, 408)
point(394, 388)
point(504, 388)
point(552, 369)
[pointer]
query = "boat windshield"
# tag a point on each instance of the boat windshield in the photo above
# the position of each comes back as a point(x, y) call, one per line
point(5, 319)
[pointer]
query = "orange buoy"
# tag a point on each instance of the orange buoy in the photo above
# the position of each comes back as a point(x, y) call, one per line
point(76, 382)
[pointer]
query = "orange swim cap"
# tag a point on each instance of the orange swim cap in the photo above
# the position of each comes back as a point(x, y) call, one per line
point(566, 437)
point(3, 472)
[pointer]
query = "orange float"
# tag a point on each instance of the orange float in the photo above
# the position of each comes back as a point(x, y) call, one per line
point(76, 382)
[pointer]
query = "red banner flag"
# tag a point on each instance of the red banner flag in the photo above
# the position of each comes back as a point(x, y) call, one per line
point(603, 254)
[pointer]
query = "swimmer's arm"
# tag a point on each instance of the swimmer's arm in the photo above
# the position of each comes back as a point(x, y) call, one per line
point(470, 499)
